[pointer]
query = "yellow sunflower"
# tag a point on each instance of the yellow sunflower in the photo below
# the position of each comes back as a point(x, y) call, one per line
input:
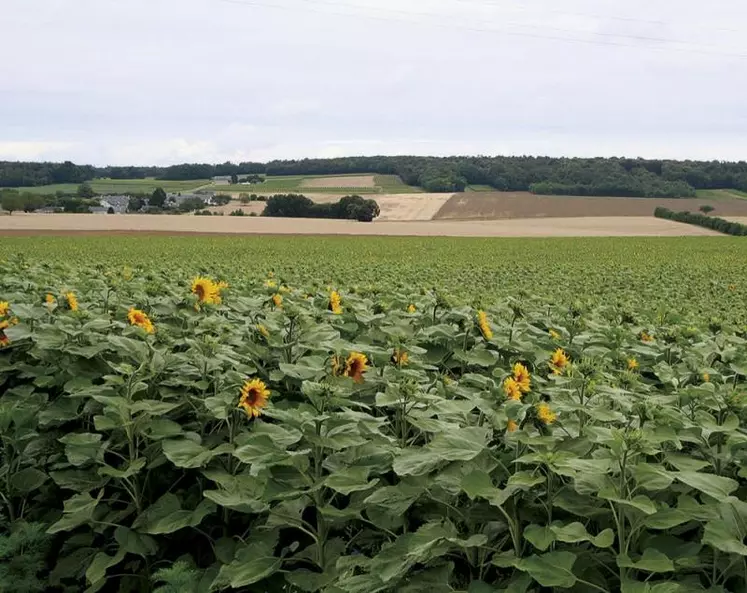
point(4, 340)
point(706, 378)
point(522, 377)
point(545, 414)
point(633, 364)
point(411, 309)
point(254, 395)
point(263, 331)
point(512, 426)
point(206, 290)
point(646, 337)
point(512, 389)
point(554, 335)
point(49, 300)
point(558, 361)
point(277, 300)
point(355, 366)
point(139, 318)
point(72, 301)
point(400, 357)
point(334, 302)
point(4, 308)
point(484, 324)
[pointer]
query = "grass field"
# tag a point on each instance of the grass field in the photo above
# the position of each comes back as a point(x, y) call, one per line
point(373, 415)
point(120, 186)
point(722, 194)
point(383, 184)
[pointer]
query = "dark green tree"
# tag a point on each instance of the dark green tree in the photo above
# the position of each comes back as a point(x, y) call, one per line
point(85, 190)
point(157, 198)
point(11, 201)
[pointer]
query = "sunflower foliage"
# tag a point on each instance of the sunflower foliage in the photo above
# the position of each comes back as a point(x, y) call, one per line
point(254, 437)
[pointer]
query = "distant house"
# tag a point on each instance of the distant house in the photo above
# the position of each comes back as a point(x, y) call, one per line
point(222, 180)
point(117, 203)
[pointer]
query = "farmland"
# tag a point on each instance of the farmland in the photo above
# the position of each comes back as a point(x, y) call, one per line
point(121, 186)
point(329, 184)
point(373, 414)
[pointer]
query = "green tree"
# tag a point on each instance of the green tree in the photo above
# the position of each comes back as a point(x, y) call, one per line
point(32, 202)
point(706, 208)
point(135, 204)
point(157, 198)
point(234, 179)
point(244, 198)
point(191, 204)
point(221, 199)
point(85, 190)
point(11, 201)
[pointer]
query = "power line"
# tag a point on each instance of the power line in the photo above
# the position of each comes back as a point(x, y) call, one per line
point(452, 26)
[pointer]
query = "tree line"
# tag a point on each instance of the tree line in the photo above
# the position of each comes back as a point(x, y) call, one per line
point(542, 175)
point(710, 222)
point(299, 206)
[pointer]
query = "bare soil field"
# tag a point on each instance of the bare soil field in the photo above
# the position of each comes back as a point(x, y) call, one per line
point(357, 181)
point(30, 224)
point(503, 205)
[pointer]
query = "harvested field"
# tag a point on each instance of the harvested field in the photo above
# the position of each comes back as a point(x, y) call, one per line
point(648, 226)
point(502, 205)
point(352, 181)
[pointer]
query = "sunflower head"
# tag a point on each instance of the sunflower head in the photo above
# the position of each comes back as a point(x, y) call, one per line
point(206, 290)
point(4, 340)
point(335, 303)
point(633, 364)
point(511, 426)
point(254, 396)
point(411, 309)
point(4, 308)
point(545, 414)
point(72, 301)
point(263, 331)
point(558, 361)
point(484, 325)
point(706, 378)
point(400, 357)
point(646, 337)
point(355, 366)
point(139, 318)
point(522, 377)
point(277, 300)
point(554, 335)
point(49, 300)
point(271, 284)
point(512, 389)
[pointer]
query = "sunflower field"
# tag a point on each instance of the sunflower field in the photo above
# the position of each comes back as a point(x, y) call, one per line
point(191, 428)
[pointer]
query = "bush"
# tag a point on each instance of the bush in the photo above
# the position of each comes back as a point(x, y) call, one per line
point(710, 222)
point(203, 213)
point(221, 199)
point(298, 206)
point(706, 208)
point(238, 212)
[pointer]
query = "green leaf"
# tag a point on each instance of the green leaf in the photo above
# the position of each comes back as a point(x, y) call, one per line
point(720, 535)
point(352, 479)
point(540, 536)
point(667, 518)
point(131, 470)
point(135, 543)
point(554, 569)
point(81, 447)
point(652, 477)
point(576, 532)
point(251, 564)
point(101, 563)
point(167, 516)
point(652, 560)
point(28, 479)
point(78, 511)
point(188, 454)
point(717, 487)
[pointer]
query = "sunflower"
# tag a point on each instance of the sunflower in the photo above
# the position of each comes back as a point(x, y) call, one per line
point(263, 331)
point(400, 358)
point(545, 414)
point(49, 300)
point(72, 301)
point(4, 308)
point(206, 290)
point(277, 300)
point(4, 340)
point(4, 324)
point(482, 322)
point(334, 302)
point(706, 378)
point(337, 365)
point(512, 426)
point(139, 318)
point(355, 366)
point(558, 361)
point(254, 395)
point(646, 337)
point(127, 273)
point(512, 389)
point(411, 309)
point(554, 335)
point(522, 377)
point(271, 284)
point(633, 364)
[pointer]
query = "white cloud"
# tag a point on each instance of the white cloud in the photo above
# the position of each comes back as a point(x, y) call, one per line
point(28, 150)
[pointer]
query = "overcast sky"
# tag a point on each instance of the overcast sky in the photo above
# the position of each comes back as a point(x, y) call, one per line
point(166, 81)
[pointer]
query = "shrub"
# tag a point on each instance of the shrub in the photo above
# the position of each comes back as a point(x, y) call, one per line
point(706, 208)
point(238, 212)
point(298, 206)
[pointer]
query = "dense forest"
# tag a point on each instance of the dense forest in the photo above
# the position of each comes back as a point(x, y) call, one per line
point(542, 175)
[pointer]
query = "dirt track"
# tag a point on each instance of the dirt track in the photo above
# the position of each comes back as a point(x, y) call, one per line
point(503, 205)
point(30, 224)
